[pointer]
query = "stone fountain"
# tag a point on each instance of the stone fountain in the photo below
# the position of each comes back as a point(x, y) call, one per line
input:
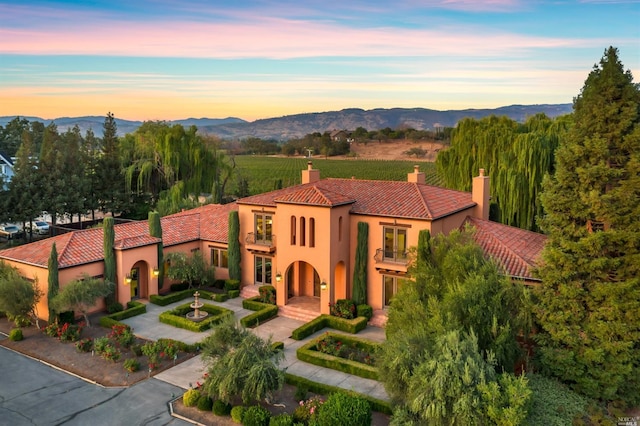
point(196, 315)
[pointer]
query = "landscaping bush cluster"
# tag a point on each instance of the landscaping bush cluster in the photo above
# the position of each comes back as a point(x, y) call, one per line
point(133, 309)
point(67, 332)
point(264, 311)
point(15, 335)
point(343, 308)
point(328, 321)
point(267, 294)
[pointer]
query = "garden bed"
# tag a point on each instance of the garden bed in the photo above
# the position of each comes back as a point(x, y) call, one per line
point(177, 317)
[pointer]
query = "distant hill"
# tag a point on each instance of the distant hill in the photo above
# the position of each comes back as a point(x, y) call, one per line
point(298, 125)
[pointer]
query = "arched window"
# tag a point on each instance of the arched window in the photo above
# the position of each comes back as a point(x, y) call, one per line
point(312, 232)
point(302, 231)
point(293, 230)
point(340, 228)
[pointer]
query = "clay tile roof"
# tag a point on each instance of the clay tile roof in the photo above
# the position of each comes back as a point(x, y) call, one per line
point(372, 197)
point(74, 248)
point(312, 195)
point(515, 249)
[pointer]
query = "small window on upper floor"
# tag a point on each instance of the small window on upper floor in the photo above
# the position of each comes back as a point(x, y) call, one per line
point(312, 232)
point(340, 228)
point(293, 230)
point(303, 230)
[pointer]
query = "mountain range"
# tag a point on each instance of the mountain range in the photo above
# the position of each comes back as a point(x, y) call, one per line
point(298, 125)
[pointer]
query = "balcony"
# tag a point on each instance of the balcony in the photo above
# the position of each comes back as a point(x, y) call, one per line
point(260, 243)
point(394, 261)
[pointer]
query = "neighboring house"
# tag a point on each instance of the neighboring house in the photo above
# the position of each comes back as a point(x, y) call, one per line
point(6, 168)
point(301, 239)
point(339, 135)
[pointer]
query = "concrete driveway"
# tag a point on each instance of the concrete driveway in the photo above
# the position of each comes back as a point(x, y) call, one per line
point(32, 393)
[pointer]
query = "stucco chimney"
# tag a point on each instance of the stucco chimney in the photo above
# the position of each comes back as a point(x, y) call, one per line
point(480, 195)
point(310, 175)
point(417, 176)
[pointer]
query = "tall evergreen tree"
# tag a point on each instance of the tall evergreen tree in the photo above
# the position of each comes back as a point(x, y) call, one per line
point(53, 281)
point(110, 182)
point(25, 186)
point(234, 246)
point(155, 230)
point(359, 293)
point(589, 301)
point(109, 257)
point(51, 172)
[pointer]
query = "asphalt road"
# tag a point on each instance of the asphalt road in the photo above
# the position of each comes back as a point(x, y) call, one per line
point(32, 393)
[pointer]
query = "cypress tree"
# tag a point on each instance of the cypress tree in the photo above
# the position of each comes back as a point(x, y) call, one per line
point(589, 301)
point(54, 284)
point(109, 257)
point(155, 230)
point(424, 246)
point(359, 293)
point(234, 246)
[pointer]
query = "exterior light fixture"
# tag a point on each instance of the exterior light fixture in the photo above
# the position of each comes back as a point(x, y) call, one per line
point(156, 272)
point(323, 285)
point(278, 277)
point(127, 280)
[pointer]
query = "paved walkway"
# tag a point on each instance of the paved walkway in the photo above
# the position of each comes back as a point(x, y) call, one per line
point(279, 329)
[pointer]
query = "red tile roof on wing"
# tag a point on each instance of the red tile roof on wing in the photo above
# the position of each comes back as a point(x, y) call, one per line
point(75, 248)
point(515, 249)
point(372, 197)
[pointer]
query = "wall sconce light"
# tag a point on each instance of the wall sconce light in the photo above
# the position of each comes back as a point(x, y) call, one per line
point(278, 277)
point(155, 272)
point(323, 285)
point(127, 280)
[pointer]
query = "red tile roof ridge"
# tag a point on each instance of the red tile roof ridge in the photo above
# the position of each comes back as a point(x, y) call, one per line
point(314, 195)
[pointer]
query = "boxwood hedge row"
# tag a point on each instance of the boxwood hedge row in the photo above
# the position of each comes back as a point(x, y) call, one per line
point(347, 325)
point(177, 317)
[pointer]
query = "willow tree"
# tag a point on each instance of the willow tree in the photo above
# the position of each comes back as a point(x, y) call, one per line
point(155, 230)
point(53, 281)
point(589, 306)
point(161, 156)
point(109, 256)
point(516, 157)
point(234, 246)
point(359, 293)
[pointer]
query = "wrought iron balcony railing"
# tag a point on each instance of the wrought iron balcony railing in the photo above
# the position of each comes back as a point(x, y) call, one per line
point(391, 256)
point(261, 239)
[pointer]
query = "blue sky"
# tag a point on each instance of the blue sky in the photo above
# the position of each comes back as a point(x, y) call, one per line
point(171, 59)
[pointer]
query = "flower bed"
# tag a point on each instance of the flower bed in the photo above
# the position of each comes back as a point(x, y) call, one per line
point(343, 353)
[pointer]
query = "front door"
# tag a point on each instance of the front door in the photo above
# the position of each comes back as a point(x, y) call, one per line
point(135, 287)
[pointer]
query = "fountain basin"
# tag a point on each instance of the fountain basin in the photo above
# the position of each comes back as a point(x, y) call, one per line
point(201, 316)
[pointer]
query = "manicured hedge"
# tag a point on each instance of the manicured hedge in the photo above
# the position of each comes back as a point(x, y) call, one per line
point(307, 353)
point(177, 296)
point(348, 326)
point(265, 312)
point(133, 308)
point(320, 388)
point(176, 317)
point(279, 346)
point(220, 297)
point(231, 285)
point(233, 294)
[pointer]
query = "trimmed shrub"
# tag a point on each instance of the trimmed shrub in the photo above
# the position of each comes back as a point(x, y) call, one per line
point(256, 416)
point(237, 413)
point(278, 346)
point(231, 285)
point(177, 296)
point(190, 397)
point(220, 297)
point(133, 309)
point(267, 294)
point(365, 311)
point(321, 388)
point(342, 409)
point(348, 326)
point(218, 284)
point(307, 411)
point(233, 294)
point(176, 317)
point(15, 335)
point(221, 408)
point(307, 353)
point(131, 365)
point(204, 403)
point(260, 316)
point(114, 307)
point(281, 420)
point(179, 287)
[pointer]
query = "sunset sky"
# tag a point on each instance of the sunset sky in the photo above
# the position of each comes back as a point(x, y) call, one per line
point(173, 59)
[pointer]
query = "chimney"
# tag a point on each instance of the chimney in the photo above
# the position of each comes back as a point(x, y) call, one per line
point(480, 195)
point(417, 176)
point(310, 175)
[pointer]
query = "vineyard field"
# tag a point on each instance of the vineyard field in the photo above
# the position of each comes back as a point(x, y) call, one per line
point(264, 173)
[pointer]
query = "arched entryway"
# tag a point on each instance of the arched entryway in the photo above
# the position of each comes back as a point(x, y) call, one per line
point(303, 286)
point(138, 280)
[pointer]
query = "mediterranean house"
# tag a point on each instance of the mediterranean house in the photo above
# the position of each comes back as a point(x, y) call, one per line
point(300, 239)
point(6, 168)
